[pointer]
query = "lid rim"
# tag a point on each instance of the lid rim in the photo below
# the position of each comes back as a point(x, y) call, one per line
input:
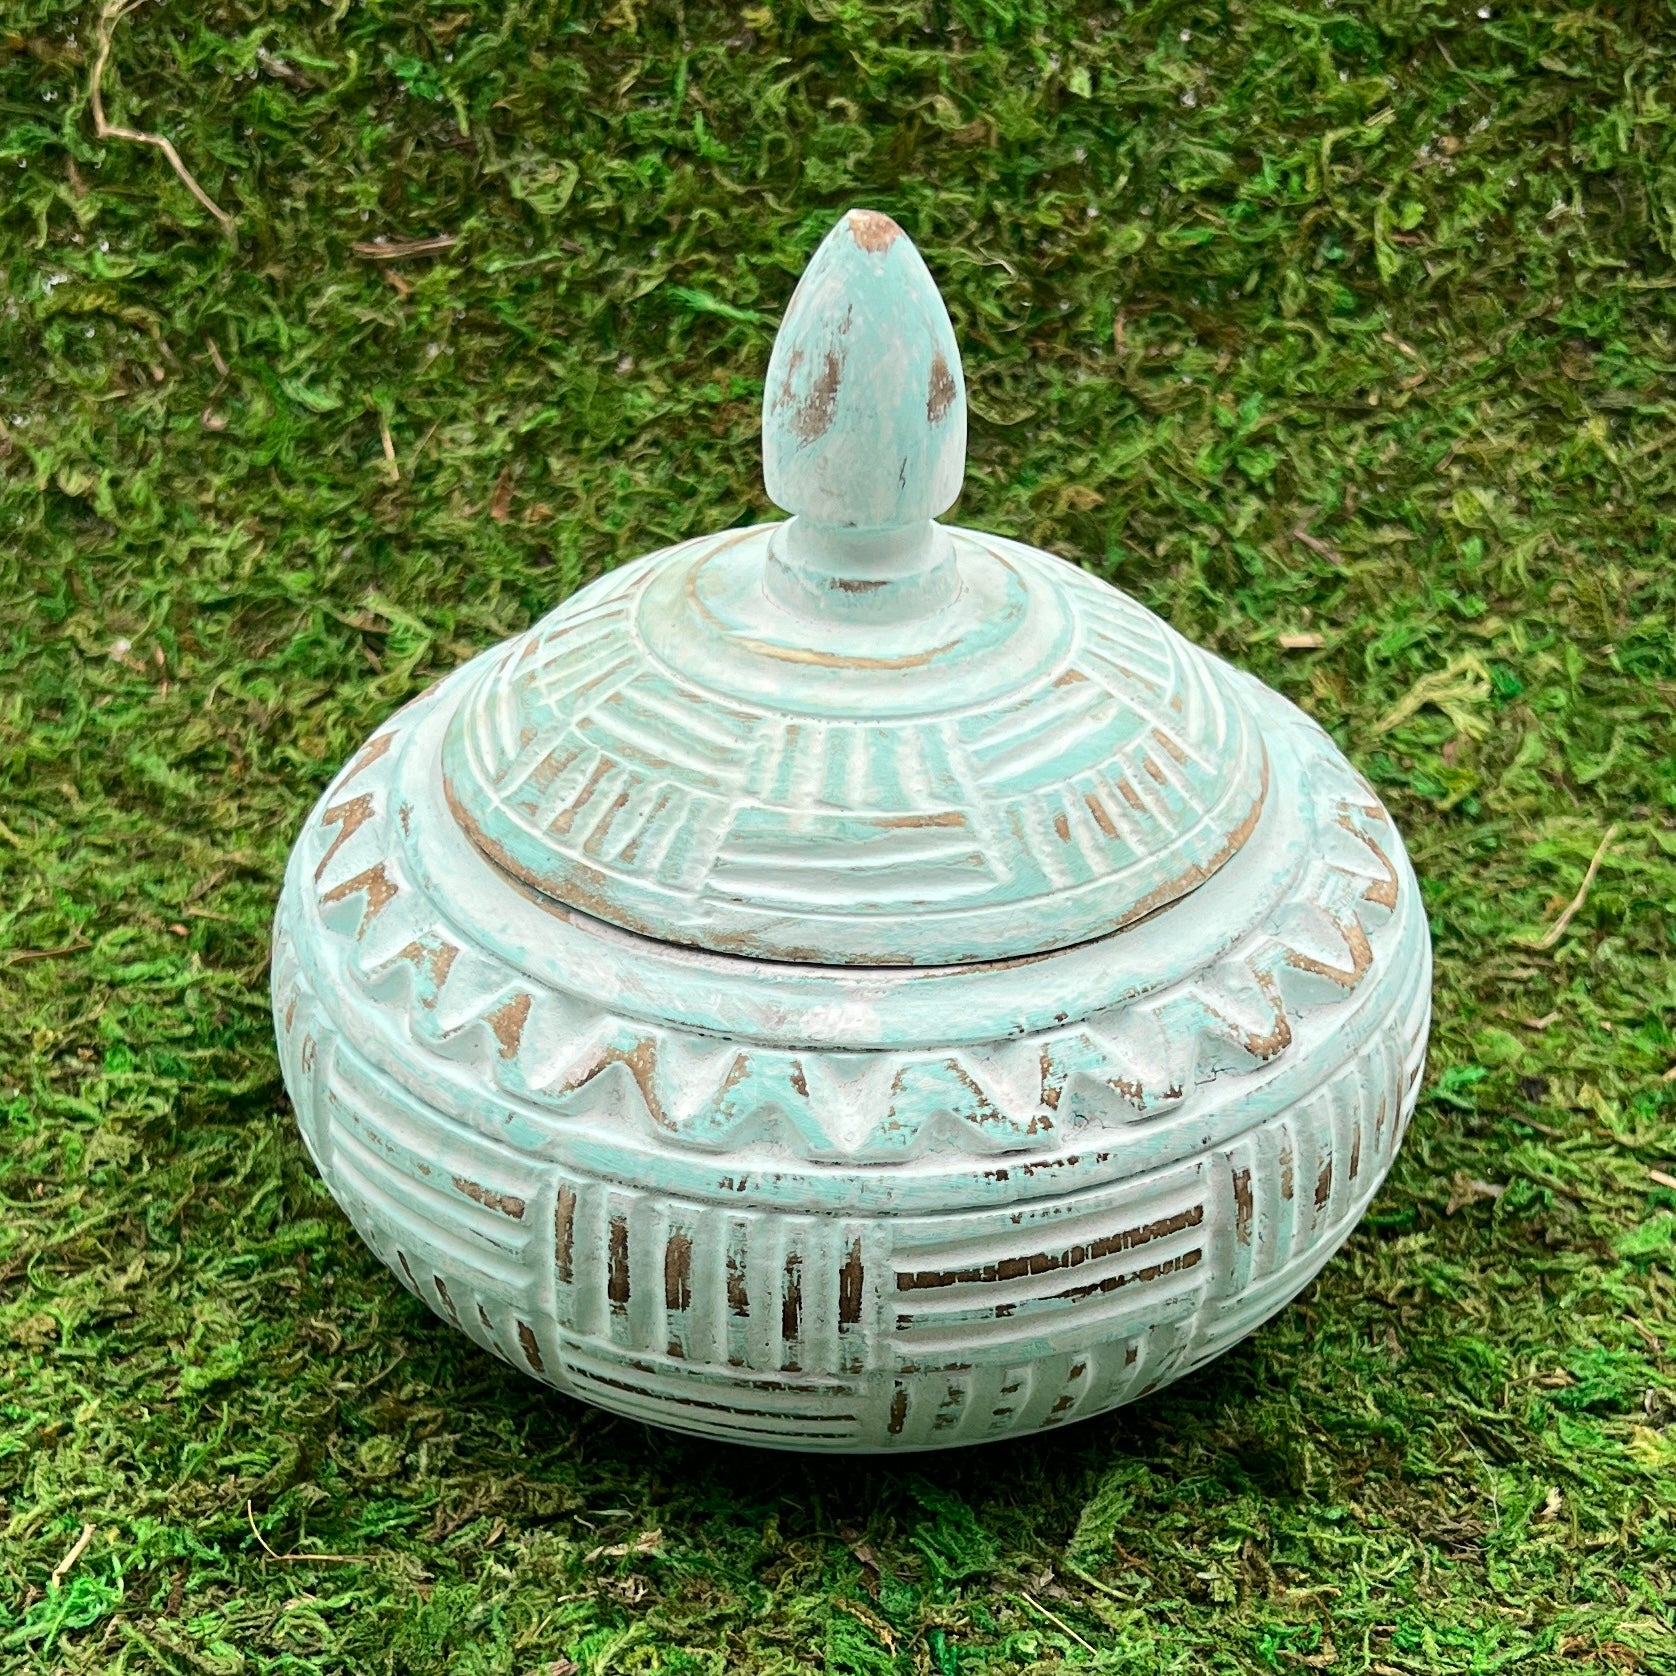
point(633, 757)
point(417, 855)
point(593, 903)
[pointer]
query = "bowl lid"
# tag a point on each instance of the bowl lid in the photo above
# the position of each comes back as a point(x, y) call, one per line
point(859, 737)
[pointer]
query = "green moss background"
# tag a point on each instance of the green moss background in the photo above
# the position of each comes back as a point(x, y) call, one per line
point(1347, 322)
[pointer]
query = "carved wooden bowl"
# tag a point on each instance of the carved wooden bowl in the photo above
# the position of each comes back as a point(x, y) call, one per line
point(853, 983)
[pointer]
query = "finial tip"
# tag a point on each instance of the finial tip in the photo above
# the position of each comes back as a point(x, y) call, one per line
point(864, 414)
point(872, 230)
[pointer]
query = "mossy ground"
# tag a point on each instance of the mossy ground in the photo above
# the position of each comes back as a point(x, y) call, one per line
point(1349, 320)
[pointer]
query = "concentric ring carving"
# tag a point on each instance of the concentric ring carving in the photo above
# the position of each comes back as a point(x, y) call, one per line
point(1106, 777)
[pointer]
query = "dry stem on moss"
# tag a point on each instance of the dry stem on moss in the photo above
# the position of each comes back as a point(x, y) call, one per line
point(110, 15)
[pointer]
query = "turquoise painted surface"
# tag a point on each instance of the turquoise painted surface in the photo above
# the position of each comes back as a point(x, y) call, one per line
point(1034, 765)
point(1204, 1102)
point(859, 737)
point(853, 984)
point(864, 410)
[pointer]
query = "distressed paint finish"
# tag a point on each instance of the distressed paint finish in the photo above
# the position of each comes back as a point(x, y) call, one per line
point(1062, 765)
point(840, 1207)
point(864, 409)
point(857, 737)
point(1107, 1102)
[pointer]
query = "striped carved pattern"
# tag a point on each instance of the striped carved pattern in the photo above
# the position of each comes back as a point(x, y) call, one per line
point(743, 1321)
point(593, 772)
point(669, 1223)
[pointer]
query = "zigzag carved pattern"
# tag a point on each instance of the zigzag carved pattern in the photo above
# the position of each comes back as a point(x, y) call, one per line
point(812, 1332)
point(566, 1054)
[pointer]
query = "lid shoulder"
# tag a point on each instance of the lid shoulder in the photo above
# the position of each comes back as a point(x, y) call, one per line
point(1064, 766)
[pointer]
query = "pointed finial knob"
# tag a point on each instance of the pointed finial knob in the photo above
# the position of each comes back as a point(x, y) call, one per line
point(864, 415)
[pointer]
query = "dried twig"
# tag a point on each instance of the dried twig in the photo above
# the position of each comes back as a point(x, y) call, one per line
point(300, 1559)
point(111, 14)
point(1059, 1623)
point(209, 418)
point(19, 956)
point(1316, 545)
point(1648, 1338)
point(66, 1565)
point(1557, 929)
point(281, 71)
point(395, 250)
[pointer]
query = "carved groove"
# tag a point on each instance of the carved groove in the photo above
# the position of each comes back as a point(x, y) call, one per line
point(1067, 1286)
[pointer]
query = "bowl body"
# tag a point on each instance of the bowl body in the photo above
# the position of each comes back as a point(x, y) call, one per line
point(850, 1208)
